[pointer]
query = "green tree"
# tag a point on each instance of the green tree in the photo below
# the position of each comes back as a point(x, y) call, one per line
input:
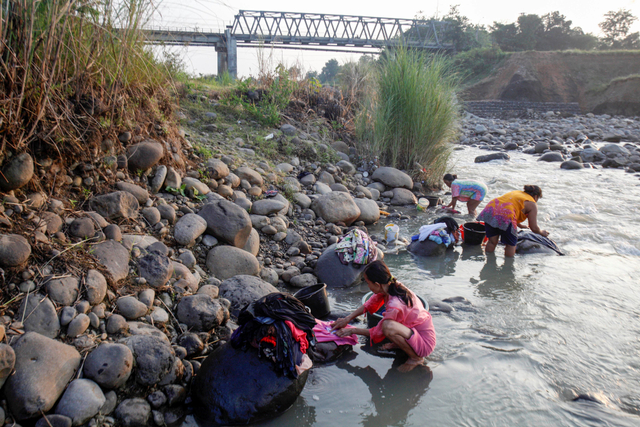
point(530, 30)
point(504, 35)
point(311, 75)
point(329, 71)
point(556, 33)
point(616, 28)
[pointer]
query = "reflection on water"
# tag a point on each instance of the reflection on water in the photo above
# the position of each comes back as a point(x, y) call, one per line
point(438, 267)
point(497, 281)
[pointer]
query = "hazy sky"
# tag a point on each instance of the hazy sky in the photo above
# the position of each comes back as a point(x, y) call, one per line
point(216, 14)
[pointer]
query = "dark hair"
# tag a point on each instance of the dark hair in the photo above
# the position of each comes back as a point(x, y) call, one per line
point(449, 177)
point(533, 190)
point(378, 272)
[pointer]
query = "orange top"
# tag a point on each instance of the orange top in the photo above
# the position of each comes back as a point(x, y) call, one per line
point(514, 201)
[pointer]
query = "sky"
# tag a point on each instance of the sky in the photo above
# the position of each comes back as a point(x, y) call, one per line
point(214, 15)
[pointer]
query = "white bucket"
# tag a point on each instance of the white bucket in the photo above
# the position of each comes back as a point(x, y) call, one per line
point(391, 232)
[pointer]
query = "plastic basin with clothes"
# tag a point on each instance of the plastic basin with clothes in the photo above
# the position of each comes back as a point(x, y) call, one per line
point(375, 318)
point(473, 233)
point(315, 297)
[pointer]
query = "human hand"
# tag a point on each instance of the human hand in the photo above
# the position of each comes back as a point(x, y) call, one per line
point(339, 324)
point(345, 332)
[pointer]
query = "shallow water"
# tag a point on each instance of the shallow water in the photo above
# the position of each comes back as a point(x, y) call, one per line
point(540, 329)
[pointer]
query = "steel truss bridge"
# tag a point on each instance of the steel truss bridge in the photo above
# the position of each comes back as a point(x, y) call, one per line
point(308, 31)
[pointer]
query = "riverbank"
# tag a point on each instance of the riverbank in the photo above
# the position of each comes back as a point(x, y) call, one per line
point(143, 274)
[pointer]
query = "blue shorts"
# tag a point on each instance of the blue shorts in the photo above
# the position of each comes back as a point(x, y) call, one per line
point(506, 236)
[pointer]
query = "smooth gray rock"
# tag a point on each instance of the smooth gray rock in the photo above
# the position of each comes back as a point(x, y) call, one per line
point(200, 312)
point(571, 164)
point(78, 325)
point(228, 261)
point(110, 365)
point(82, 228)
point(303, 280)
point(392, 177)
point(266, 207)
point(7, 362)
point(302, 200)
point(227, 222)
point(336, 207)
point(81, 401)
point(16, 172)
point(322, 188)
point(53, 221)
point(242, 290)
point(369, 211)
point(151, 215)
point(63, 291)
point(117, 324)
point(157, 181)
point(114, 257)
point(591, 155)
point(141, 194)
point(157, 269)
point(131, 308)
point(347, 167)
point(217, 169)
point(403, 197)
point(154, 358)
point(250, 175)
point(253, 243)
point(173, 180)
point(119, 204)
point(427, 248)
point(220, 399)
point(551, 157)
point(14, 250)
point(147, 296)
point(339, 187)
point(43, 369)
point(133, 412)
point(269, 275)
point(492, 156)
point(331, 271)
point(167, 212)
point(189, 228)
point(96, 286)
point(144, 155)
point(67, 315)
point(194, 187)
point(540, 147)
point(39, 315)
point(54, 420)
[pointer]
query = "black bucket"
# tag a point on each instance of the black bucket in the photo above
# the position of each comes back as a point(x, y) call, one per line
point(473, 233)
point(433, 200)
point(375, 318)
point(315, 297)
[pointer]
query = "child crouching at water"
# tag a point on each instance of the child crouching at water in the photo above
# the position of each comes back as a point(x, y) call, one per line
point(406, 323)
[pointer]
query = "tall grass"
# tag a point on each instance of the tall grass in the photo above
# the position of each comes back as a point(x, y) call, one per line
point(411, 114)
point(69, 67)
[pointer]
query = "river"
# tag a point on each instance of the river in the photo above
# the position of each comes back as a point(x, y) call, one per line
point(540, 330)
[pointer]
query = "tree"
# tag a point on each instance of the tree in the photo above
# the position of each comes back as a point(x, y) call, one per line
point(330, 71)
point(504, 36)
point(556, 32)
point(311, 75)
point(616, 28)
point(530, 30)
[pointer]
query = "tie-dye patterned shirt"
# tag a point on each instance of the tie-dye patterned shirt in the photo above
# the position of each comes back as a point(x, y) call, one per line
point(506, 210)
point(468, 189)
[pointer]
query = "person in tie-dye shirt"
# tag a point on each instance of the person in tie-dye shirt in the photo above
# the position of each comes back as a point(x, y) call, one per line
point(465, 190)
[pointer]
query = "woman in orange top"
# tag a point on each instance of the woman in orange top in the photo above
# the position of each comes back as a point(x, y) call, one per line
point(503, 216)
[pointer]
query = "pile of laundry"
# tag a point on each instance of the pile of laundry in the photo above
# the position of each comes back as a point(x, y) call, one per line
point(356, 247)
point(281, 328)
point(441, 231)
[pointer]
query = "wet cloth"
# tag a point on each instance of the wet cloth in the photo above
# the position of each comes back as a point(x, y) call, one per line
point(545, 241)
point(506, 210)
point(468, 189)
point(356, 247)
point(323, 333)
point(263, 324)
point(426, 230)
point(416, 318)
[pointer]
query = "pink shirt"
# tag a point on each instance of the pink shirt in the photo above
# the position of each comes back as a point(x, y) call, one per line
point(416, 317)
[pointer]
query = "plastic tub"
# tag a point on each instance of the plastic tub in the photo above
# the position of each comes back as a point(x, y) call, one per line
point(473, 233)
point(433, 200)
point(375, 318)
point(315, 297)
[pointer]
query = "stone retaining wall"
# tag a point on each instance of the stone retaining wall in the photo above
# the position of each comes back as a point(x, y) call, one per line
point(522, 109)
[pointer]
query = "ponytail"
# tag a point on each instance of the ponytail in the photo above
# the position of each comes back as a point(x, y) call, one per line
point(378, 272)
point(533, 191)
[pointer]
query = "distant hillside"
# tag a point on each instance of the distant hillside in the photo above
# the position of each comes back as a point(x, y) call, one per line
point(600, 82)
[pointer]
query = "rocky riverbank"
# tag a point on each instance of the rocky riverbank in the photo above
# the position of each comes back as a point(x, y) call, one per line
point(109, 308)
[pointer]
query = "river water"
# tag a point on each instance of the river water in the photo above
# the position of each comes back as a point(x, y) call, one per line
point(540, 330)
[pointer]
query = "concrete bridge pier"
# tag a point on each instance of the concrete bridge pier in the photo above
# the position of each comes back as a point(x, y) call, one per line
point(228, 55)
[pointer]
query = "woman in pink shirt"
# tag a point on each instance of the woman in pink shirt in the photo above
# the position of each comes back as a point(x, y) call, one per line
point(405, 322)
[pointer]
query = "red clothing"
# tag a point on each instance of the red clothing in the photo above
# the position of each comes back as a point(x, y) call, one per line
point(299, 336)
point(416, 318)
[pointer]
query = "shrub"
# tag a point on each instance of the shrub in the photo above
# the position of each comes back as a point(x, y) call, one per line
point(411, 113)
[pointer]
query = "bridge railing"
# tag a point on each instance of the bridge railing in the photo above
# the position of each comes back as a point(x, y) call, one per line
point(340, 30)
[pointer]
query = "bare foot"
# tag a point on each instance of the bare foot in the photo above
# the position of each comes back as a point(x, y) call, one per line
point(410, 364)
point(388, 346)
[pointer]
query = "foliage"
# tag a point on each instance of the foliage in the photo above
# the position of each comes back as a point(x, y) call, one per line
point(477, 63)
point(616, 28)
point(329, 72)
point(70, 66)
point(273, 93)
point(411, 113)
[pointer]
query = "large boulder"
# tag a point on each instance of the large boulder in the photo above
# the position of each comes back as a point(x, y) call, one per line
point(392, 177)
point(228, 261)
point(250, 175)
point(238, 387)
point(119, 204)
point(154, 358)
point(14, 250)
point(331, 271)
point(551, 157)
point(369, 211)
point(16, 173)
point(492, 156)
point(336, 207)
point(39, 315)
point(144, 155)
point(43, 369)
point(242, 290)
point(227, 222)
point(200, 312)
point(402, 197)
point(109, 365)
point(426, 248)
point(81, 401)
point(591, 155)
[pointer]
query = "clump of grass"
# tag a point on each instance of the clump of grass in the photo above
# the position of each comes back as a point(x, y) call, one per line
point(411, 114)
point(71, 67)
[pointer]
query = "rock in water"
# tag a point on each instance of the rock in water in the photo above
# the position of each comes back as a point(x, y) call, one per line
point(237, 387)
point(427, 248)
point(331, 271)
